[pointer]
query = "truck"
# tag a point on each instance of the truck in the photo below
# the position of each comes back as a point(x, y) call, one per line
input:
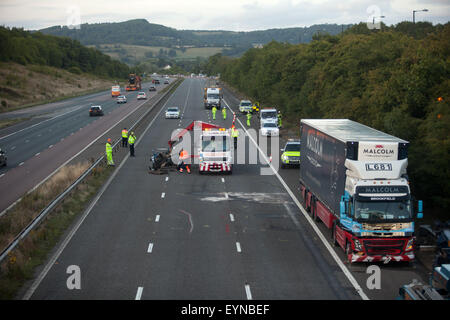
point(115, 91)
point(134, 82)
point(269, 115)
point(212, 97)
point(353, 178)
point(212, 146)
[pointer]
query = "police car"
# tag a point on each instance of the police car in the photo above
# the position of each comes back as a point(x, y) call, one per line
point(290, 155)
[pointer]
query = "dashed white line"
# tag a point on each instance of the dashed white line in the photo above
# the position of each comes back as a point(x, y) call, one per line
point(167, 178)
point(223, 180)
point(248, 293)
point(157, 218)
point(50, 146)
point(20, 164)
point(150, 248)
point(163, 195)
point(13, 147)
point(139, 293)
point(238, 247)
point(37, 154)
point(231, 217)
point(1, 175)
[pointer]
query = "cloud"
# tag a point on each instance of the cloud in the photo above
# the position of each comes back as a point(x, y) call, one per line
point(236, 15)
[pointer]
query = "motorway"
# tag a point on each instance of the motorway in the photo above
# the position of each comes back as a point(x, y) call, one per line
point(180, 236)
point(56, 132)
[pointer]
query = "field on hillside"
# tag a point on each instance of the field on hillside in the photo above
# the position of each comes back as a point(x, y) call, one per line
point(132, 53)
point(24, 85)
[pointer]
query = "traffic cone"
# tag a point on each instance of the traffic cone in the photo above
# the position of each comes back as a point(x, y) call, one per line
point(188, 169)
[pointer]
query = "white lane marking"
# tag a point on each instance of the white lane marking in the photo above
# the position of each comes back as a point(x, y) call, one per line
point(226, 195)
point(231, 217)
point(223, 180)
point(167, 178)
point(21, 164)
point(150, 248)
point(163, 195)
point(37, 154)
point(1, 175)
point(333, 253)
point(34, 125)
point(50, 146)
point(66, 241)
point(139, 293)
point(248, 293)
point(238, 247)
point(157, 218)
point(13, 147)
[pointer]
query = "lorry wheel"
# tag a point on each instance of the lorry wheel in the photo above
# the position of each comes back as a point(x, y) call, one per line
point(333, 235)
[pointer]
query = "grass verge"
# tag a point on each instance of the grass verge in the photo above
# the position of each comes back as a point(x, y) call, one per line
point(19, 266)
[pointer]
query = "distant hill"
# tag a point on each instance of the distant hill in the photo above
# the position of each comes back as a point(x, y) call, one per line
point(141, 32)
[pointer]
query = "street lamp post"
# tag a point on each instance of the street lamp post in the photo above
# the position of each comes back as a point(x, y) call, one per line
point(414, 13)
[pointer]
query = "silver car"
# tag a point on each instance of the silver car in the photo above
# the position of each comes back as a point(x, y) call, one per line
point(121, 99)
point(173, 113)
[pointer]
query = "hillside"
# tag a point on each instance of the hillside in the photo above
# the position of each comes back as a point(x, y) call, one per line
point(17, 45)
point(141, 32)
point(396, 81)
point(24, 85)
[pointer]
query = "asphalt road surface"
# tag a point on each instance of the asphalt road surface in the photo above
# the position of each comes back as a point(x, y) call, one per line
point(57, 132)
point(212, 236)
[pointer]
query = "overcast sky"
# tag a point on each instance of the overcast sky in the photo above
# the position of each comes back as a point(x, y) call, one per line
point(235, 15)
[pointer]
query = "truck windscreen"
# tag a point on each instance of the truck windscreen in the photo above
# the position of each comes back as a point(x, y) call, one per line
point(215, 144)
point(382, 210)
point(266, 115)
point(213, 96)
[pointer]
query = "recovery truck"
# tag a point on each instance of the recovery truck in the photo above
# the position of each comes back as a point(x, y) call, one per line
point(212, 97)
point(134, 82)
point(353, 178)
point(212, 146)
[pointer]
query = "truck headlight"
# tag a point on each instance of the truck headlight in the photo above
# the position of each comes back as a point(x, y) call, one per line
point(358, 246)
point(410, 245)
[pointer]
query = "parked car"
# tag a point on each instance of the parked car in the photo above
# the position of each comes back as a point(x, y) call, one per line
point(141, 95)
point(3, 158)
point(121, 99)
point(172, 113)
point(95, 111)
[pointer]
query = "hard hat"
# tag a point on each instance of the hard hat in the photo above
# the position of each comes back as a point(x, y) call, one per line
point(109, 139)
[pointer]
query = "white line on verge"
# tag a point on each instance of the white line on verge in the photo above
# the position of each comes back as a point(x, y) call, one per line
point(341, 265)
point(157, 218)
point(248, 292)
point(150, 248)
point(238, 247)
point(163, 195)
point(139, 293)
point(231, 217)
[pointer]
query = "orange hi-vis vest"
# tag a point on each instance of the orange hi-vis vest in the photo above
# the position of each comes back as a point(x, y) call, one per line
point(124, 133)
point(184, 155)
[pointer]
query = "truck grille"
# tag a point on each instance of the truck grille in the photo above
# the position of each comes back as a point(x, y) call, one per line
point(384, 246)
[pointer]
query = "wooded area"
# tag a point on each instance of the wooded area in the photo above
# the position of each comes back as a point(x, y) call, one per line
point(396, 80)
point(25, 47)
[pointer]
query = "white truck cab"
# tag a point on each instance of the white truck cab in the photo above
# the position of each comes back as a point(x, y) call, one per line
point(214, 151)
point(269, 115)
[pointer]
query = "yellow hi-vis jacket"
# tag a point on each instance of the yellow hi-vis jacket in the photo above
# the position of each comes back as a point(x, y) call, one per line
point(131, 139)
point(108, 148)
point(234, 133)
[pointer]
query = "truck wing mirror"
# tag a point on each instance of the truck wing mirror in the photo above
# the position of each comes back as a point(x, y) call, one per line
point(419, 209)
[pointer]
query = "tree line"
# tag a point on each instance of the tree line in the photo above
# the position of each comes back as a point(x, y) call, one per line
point(26, 47)
point(396, 80)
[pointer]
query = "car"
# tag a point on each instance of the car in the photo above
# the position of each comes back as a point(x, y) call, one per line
point(152, 88)
point(269, 129)
point(121, 99)
point(3, 158)
point(166, 81)
point(245, 106)
point(141, 95)
point(156, 81)
point(172, 113)
point(290, 154)
point(95, 111)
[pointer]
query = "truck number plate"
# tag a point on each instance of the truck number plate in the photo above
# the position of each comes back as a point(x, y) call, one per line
point(378, 167)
